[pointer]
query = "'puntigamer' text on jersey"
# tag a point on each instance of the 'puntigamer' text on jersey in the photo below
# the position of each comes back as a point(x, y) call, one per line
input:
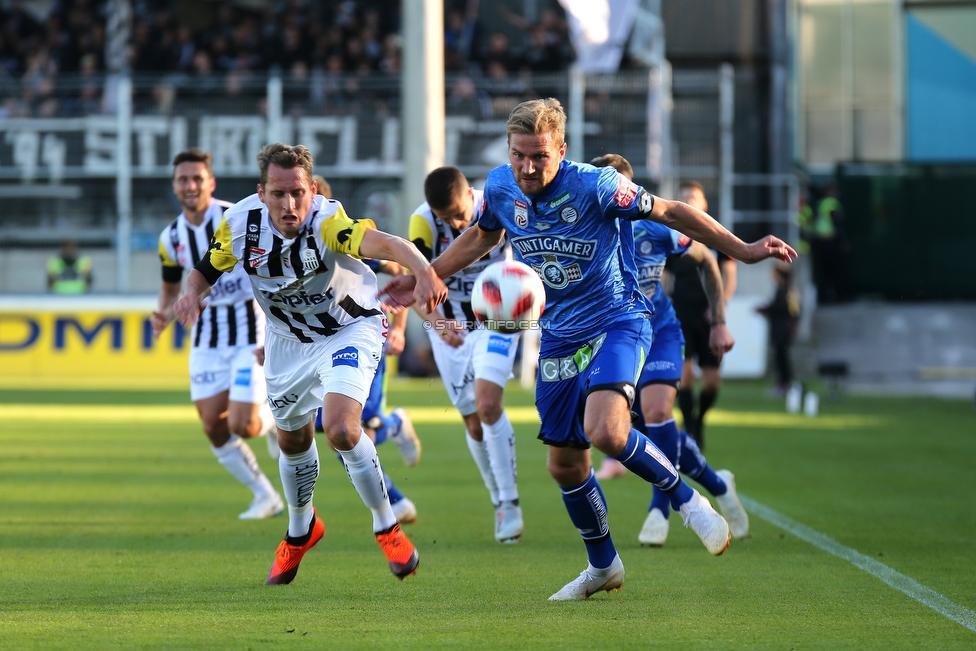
point(432, 236)
point(653, 244)
point(572, 236)
point(230, 317)
point(310, 285)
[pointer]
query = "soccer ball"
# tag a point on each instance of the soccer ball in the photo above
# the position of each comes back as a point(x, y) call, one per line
point(508, 296)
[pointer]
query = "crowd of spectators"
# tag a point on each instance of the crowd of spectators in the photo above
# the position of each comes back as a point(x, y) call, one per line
point(327, 52)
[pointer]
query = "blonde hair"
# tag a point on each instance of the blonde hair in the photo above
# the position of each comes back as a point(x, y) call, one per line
point(537, 117)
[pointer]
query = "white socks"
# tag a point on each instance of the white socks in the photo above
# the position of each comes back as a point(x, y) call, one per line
point(366, 474)
point(500, 442)
point(267, 420)
point(479, 451)
point(237, 457)
point(298, 475)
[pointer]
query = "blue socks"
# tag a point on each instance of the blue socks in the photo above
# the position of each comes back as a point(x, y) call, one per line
point(694, 465)
point(388, 425)
point(588, 510)
point(642, 458)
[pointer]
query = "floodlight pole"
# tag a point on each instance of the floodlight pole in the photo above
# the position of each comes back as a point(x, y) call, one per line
point(423, 101)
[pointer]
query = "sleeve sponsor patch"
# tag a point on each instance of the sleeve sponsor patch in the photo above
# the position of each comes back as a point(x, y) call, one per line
point(626, 192)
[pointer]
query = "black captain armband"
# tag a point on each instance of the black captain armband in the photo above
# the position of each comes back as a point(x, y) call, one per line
point(172, 274)
point(209, 272)
point(716, 323)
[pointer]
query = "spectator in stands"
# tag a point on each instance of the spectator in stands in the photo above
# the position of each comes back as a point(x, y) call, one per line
point(500, 55)
point(468, 100)
point(68, 272)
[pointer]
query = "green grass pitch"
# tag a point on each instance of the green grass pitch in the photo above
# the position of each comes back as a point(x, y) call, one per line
point(118, 529)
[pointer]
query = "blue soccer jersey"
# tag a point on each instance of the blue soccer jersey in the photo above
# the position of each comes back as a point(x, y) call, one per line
point(653, 244)
point(572, 234)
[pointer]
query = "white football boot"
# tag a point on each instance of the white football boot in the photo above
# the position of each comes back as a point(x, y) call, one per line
point(731, 507)
point(654, 533)
point(264, 506)
point(508, 523)
point(405, 511)
point(591, 580)
point(707, 523)
point(406, 438)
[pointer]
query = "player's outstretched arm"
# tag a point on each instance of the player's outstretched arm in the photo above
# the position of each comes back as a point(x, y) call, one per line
point(470, 246)
point(164, 314)
point(720, 340)
point(429, 289)
point(187, 308)
point(701, 227)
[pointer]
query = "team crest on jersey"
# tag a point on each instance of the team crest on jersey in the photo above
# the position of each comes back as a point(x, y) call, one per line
point(569, 214)
point(256, 259)
point(626, 192)
point(310, 261)
point(556, 275)
point(645, 247)
point(521, 214)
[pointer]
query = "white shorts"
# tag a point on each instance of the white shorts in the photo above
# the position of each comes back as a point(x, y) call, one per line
point(233, 368)
point(299, 375)
point(484, 355)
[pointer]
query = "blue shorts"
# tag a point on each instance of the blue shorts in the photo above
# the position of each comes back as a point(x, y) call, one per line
point(663, 365)
point(376, 400)
point(568, 373)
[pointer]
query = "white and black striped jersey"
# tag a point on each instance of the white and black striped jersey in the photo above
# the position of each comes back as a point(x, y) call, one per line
point(432, 236)
point(230, 317)
point(309, 286)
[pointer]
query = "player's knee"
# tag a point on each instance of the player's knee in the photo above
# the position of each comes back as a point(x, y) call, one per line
point(489, 409)
point(216, 430)
point(656, 414)
point(243, 426)
point(342, 434)
point(568, 474)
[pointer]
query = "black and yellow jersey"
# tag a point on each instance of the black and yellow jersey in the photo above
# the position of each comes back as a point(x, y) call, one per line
point(230, 317)
point(308, 286)
point(432, 237)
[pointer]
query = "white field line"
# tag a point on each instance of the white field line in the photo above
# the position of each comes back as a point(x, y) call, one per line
point(896, 580)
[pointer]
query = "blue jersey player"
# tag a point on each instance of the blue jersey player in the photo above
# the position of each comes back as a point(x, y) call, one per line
point(572, 223)
point(660, 378)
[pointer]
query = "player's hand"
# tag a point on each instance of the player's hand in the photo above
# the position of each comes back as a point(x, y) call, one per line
point(399, 293)
point(259, 355)
point(159, 322)
point(395, 342)
point(430, 290)
point(769, 247)
point(451, 332)
point(720, 340)
point(187, 310)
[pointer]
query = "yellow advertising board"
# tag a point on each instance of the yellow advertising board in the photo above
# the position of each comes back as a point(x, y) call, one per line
point(88, 342)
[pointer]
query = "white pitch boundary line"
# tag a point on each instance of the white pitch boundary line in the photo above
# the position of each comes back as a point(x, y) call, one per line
point(896, 580)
